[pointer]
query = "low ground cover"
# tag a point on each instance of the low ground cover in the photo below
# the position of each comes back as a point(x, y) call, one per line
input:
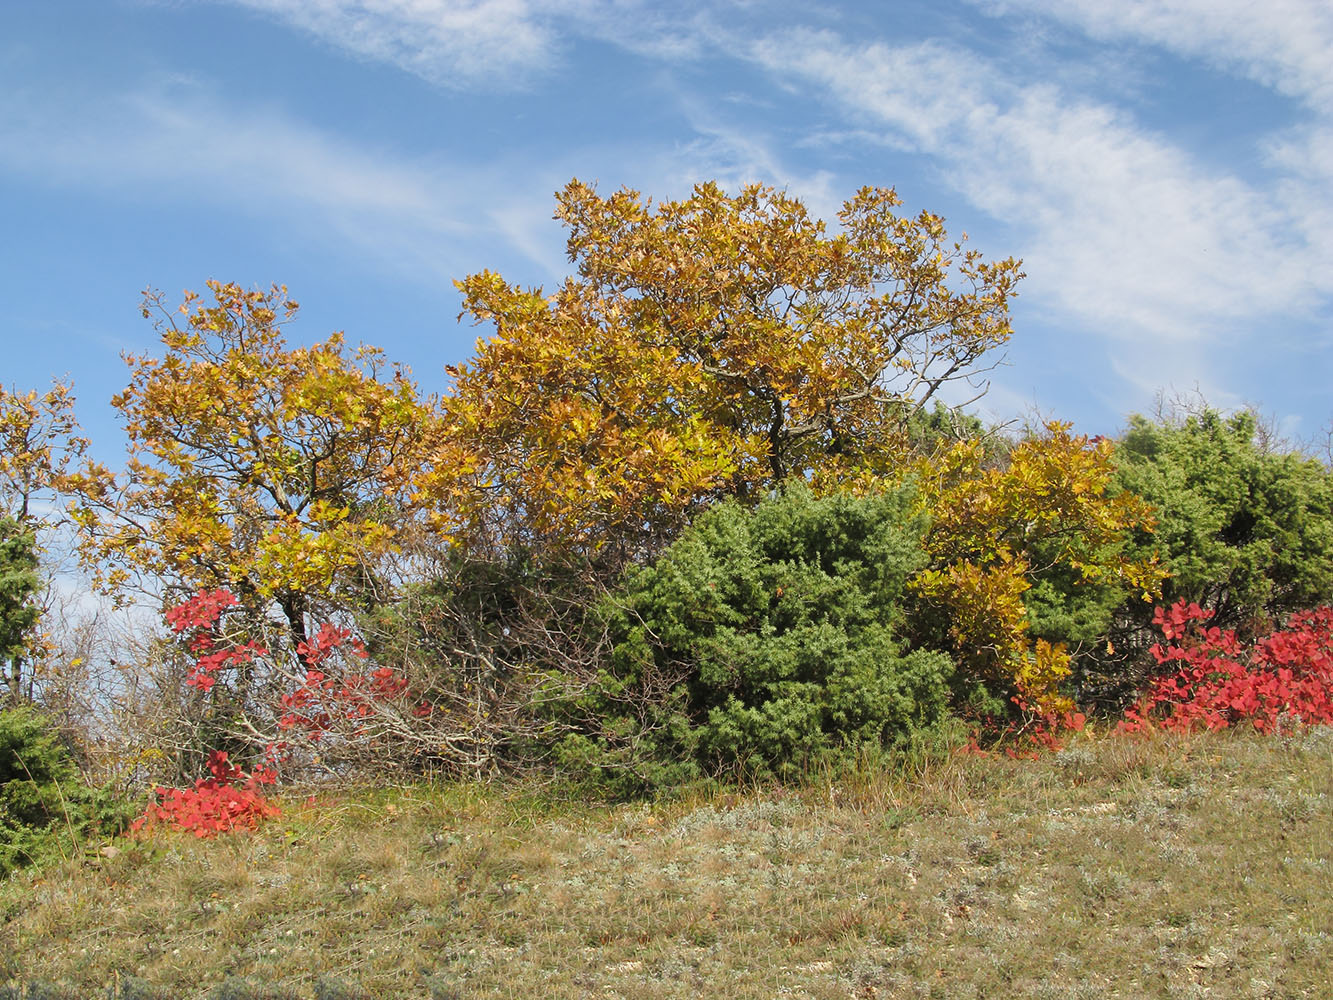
point(1145, 865)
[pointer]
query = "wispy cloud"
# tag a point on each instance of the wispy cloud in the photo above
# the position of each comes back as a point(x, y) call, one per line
point(1304, 155)
point(1283, 44)
point(173, 133)
point(496, 44)
point(1129, 237)
point(736, 153)
point(422, 216)
point(1123, 230)
point(175, 139)
point(447, 42)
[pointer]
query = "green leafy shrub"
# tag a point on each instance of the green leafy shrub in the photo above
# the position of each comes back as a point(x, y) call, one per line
point(46, 810)
point(763, 642)
point(1244, 531)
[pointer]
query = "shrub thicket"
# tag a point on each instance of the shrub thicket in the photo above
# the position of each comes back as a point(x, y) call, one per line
point(763, 642)
point(46, 810)
point(1243, 530)
point(1246, 533)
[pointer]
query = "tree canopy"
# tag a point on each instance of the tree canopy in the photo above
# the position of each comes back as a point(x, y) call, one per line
point(268, 470)
point(39, 443)
point(722, 420)
point(707, 347)
point(1245, 531)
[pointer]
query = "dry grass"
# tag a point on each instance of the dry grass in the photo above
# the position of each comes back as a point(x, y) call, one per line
point(1141, 867)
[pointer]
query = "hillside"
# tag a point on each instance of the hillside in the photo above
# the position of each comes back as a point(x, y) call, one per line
point(1146, 866)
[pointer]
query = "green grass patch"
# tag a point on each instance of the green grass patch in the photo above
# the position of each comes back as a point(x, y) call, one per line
point(1153, 866)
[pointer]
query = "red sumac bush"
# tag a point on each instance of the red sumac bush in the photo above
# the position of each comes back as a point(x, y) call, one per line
point(1208, 679)
point(228, 800)
point(325, 695)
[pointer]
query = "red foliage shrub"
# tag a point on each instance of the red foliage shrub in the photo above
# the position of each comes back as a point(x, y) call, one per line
point(328, 690)
point(1209, 680)
point(319, 699)
point(229, 800)
point(202, 614)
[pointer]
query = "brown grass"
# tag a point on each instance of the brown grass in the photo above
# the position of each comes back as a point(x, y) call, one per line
point(1157, 866)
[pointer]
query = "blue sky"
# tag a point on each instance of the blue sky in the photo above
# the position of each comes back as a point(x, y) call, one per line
point(1165, 169)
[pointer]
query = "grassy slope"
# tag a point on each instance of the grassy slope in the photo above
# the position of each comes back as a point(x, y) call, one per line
point(1144, 867)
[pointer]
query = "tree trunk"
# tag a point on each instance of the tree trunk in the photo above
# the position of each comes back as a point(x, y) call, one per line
point(15, 682)
point(293, 606)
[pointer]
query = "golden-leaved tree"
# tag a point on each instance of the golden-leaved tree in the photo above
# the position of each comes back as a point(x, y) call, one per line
point(711, 346)
point(1047, 513)
point(270, 470)
point(719, 345)
point(40, 443)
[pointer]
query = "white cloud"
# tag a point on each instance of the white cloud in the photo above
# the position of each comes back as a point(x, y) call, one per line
point(1124, 232)
point(1305, 155)
point(448, 42)
point(423, 217)
point(488, 43)
point(176, 140)
point(735, 156)
point(1283, 44)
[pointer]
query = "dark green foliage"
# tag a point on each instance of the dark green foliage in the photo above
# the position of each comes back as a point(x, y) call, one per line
point(765, 641)
point(460, 618)
point(46, 810)
point(36, 775)
point(1083, 616)
point(18, 585)
point(1244, 532)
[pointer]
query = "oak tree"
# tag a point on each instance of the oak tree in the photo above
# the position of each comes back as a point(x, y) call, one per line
point(40, 443)
point(1021, 550)
point(706, 347)
point(266, 469)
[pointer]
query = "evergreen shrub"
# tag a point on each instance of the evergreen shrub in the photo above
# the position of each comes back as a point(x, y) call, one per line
point(46, 809)
point(764, 642)
point(1244, 530)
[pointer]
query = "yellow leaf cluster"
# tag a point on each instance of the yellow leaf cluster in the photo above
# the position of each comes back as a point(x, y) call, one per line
point(39, 445)
point(706, 347)
point(997, 527)
point(253, 464)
